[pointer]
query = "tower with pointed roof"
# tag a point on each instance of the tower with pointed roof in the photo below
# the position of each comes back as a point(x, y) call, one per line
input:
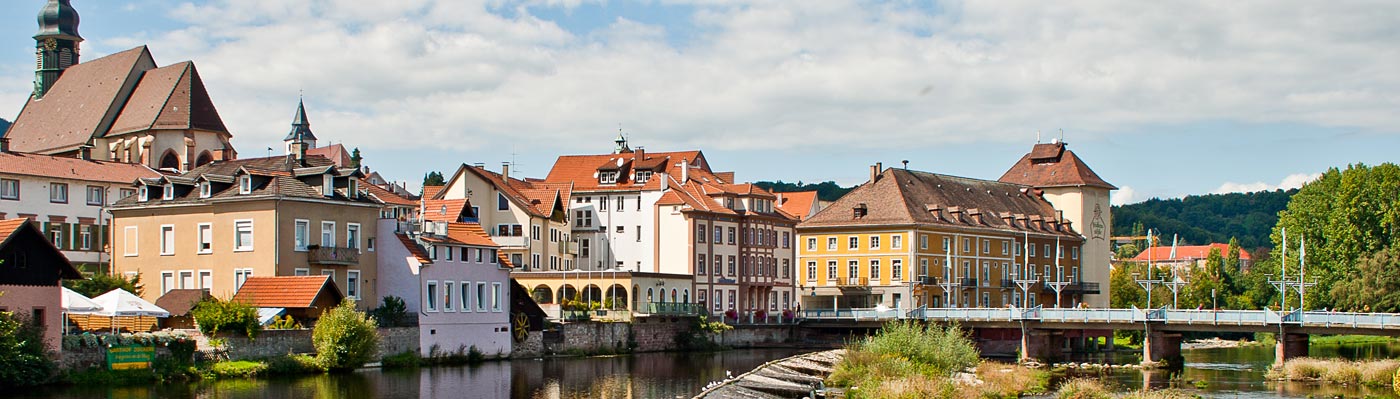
point(300, 139)
point(56, 44)
point(1080, 196)
point(621, 144)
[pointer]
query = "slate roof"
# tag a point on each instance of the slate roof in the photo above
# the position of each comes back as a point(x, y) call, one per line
point(1052, 165)
point(73, 168)
point(271, 176)
point(286, 291)
point(906, 197)
point(169, 97)
point(1186, 252)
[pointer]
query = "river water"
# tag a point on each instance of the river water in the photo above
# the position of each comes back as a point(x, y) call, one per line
point(1227, 373)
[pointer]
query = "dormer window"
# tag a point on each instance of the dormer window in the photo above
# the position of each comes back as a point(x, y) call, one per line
point(168, 192)
point(607, 177)
point(328, 185)
point(245, 184)
point(204, 190)
point(354, 190)
point(145, 194)
point(643, 176)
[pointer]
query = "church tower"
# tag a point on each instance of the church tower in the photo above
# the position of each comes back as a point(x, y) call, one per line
point(620, 144)
point(56, 44)
point(300, 139)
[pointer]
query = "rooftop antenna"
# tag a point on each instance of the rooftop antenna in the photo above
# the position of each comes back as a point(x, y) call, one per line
point(906, 164)
point(1037, 136)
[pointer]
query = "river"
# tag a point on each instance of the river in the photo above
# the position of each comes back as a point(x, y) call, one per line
point(1227, 373)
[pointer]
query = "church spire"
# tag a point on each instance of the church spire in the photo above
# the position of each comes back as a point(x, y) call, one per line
point(55, 45)
point(300, 135)
point(621, 142)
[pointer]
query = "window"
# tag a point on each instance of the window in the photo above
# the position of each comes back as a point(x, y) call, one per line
point(896, 241)
point(352, 236)
point(145, 193)
point(787, 268)
point(243, 235)
point(852, 270)
point(643, 176)
point(167, 192)
point(58, 193)
point(719, 264)
point(369, 244)
point(431, 296)
point(923, 241)
point(731, 236)
point(206, 238)
point(1074, 252)
point(1031, 249)
point(923, 267)
point(639, 233)
point(186, 279)
point(603, 203)
point(609, 177)
point(946, 244)
point(129, 238)
point(787, 240)
point(301, 233)
point(167, 239)
point(466, 295)
point(853, 242)
point(495, 297)
point(700, 233)
point(986, 246)
point(731, 266)
point(700, 264)
point(619, 203)
point(449, 252)
point(1047, 253)
point(240, 276)
point(327, 234)
point(874, 270)
point(328, 272)
point(719, 235)
point(125, 192)
point(301, 271)
point(167, 282)
point(966, 244)
point(831, 243)
point(56, 236)
point(94, 195)
point(327, 185)
point(583, 218)
point(85, 238)
point(896, 269)
point(535, 261)
point(245, 184)
point(447, 296)
point(811, 272)
point(583, 249)
point(874, 242)
point(831, 272)
point(502, 203)
point(481, 297)
point(9, 189)
point(535, 232)
point(1005, 248)
point(719, 300)
point(1060, 251)
point(205, 191)
point(206, 279)
point(811, 244)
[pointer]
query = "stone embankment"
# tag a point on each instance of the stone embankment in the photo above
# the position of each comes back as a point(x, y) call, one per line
point(798, 376)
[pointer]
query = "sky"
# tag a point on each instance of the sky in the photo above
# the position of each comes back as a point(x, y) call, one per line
point(1162, 99)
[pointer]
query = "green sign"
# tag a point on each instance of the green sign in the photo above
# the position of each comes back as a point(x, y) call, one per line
point(130, 357)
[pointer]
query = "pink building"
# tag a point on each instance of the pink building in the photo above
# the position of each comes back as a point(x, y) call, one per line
point(453, 278)
point(31, 271)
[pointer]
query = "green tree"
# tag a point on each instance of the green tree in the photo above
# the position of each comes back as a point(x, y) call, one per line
point(345, 338)
point(434, 178)
point(24, 360)
point(102, 283)
point(215, 316)
point(1373, 287)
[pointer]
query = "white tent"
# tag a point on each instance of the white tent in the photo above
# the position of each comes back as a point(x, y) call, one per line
point(76, 303)
point(118, 302)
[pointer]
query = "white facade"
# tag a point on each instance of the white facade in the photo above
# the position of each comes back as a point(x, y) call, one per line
point(621, 231)
point(70, 212)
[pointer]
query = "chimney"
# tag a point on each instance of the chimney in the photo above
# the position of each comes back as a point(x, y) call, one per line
point(685, 170)
point(874, 172)
point(641, 154)
point(505, 171)
point(4, 144)
point(85, 152)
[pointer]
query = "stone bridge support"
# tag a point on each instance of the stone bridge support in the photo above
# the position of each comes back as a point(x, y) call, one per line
point(1043, 346)
point(1290, 345)
point(1160, 347)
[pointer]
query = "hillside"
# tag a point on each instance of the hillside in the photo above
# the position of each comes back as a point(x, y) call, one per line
point(1202, 219)
point(4, 125)
point(826, 191)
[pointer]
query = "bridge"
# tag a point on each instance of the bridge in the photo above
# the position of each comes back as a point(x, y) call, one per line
point(1043, 331)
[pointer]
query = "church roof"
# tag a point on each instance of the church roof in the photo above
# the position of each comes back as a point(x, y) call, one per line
point(169, 97)
point(1052, 165)
point(301, 128)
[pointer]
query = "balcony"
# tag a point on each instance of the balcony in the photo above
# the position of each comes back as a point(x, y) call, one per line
point(335, 256)
point(570, 248)
point(928, 280)
point(969, 282)
point(855, 282)
point(511, 241)
point(1083, 288)
point(1008, 283)
point(673, 309)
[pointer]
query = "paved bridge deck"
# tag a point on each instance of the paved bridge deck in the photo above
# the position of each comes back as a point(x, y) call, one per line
point(1304, 322)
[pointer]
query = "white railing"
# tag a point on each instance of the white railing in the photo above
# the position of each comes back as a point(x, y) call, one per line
point(1266, 317)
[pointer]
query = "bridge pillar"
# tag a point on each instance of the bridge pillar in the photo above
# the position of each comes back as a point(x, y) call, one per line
point(1289, 346)
point(1038, 346)
point(1160, 347)
point(1108, 343)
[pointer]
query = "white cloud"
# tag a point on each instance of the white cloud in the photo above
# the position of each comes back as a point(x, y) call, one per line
point(1125, 195)
point(1289, 182)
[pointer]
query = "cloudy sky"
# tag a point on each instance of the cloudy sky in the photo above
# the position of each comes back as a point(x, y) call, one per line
point(1162, 99)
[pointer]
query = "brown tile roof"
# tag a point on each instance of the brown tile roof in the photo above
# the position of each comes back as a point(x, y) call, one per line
point(334, 152)
point(73, 168)
point(10, 228)
point(414, 249)
point(440, 210)
point(179, 302)
point(797, 203)
point(169, 97)
point(86, 97)
point(463, 234)
point(581, 170)
point(900, 196)
point(384, 196)
point(276, 176)
point(286, 291)
point(431, 191)
point(1052, 165)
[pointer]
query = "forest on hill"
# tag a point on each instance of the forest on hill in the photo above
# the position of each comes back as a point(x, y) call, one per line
point(1204, 219)
point(826, 191)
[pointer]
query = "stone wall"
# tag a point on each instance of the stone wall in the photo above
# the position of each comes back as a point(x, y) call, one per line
point(85, 358)
point(658, 333)
point(394, 340)
point(643, 334)
point(271, 343)
point(755, 336)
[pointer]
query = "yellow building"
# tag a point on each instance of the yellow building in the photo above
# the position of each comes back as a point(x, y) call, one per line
point(890, 243)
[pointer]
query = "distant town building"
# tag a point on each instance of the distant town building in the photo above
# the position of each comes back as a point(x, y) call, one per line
point(31, 274)
point(1081, 196)
point(1188, 256)
point(907, 239)
point(802, 204)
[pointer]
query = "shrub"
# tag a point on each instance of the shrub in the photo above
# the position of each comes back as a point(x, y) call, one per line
point(405, 359)
point(284, 323)
point(345, 338)
point(215, 316)
point(1082, 388)
point(908, 360)
point(392, 312)
point(101, 283)
point(23, 358)
point(237, 369)
point(293, 364)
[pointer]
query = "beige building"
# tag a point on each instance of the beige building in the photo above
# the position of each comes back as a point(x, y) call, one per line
point(528, 219)
point(213, 227)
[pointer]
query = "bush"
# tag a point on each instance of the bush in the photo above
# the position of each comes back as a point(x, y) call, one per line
point(345, 338)
point(293, 364)
point(24, 360)
point(906, 359)
point(215, 316)
point(238, 369)
point(101, 283)
point(284, 323)
point(405, 359)
point(1082, 388)
point(392, 312)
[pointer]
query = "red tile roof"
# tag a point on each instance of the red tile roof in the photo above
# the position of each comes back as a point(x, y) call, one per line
point(1184, 253)
point(581, 170)
point(169, 97)
point(73, 168)
point(1051, 165)
point(431, 191)
point(797, 203)
point(388, 197)
point(469, 234)
point(414, 249)
point(10, 228)
point(286, 291)
point(73, 111)
point(440, 210)
point(538, 198)
point(334, 152)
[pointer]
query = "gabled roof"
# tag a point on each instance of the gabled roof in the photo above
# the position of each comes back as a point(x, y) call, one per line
point(388, 198)
point(1052, 165)
point(797, 203)
point(440, 210)
point(459, 233)
point(431, 191)
point(334, 152)
point(537, 198)
point(179, 302)
point(81, 104)
point(12, 228)
point(169, 97)
point(582, 170)
point(901, 196)
point(286, 291)
point(1186, 252)
point(414, 249)
point(276, 176)
point(73, 168)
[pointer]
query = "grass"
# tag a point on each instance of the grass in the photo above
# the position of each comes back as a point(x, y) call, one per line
point(907, 360)
point(1375, 373)
point(1088, 388)
point(237, 369)
point(1347, 339)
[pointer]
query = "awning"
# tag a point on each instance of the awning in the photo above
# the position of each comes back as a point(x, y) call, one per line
point(75, 303)
point(118, 302)
point(267, 315)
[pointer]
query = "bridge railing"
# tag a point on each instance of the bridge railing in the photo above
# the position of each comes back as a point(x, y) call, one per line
point(973, 314)
point(852, 313)
point(1092, 315)
point(1353, 320)
point(1215, 317)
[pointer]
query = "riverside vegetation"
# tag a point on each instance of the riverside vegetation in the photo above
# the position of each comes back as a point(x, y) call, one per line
point(909, 360)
